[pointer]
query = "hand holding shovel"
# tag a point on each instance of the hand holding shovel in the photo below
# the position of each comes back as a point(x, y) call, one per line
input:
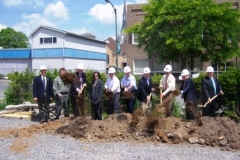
point(210, 100)
point(84, 85)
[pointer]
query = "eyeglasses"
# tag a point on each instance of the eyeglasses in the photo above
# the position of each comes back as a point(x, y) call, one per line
point(44, 70)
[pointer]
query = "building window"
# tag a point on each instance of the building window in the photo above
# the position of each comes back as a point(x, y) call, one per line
point(158, 66)
point(107, 60)
point(139, 65)
point(47, 40)
point(134, 38)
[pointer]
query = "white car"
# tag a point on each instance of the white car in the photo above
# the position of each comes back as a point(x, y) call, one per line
point(5, 78)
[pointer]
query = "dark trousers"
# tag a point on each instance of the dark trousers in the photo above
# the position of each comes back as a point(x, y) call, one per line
point(113, 104)
point(209, 110)
point(131, 103)
point(190, 110)
point(44, 108)
point(62, 103)
point(96, 111)
point(78, 102)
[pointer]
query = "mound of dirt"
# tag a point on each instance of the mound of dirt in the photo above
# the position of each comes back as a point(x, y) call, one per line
point(219, 131)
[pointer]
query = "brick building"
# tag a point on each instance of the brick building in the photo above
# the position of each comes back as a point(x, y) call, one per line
point(137, 59)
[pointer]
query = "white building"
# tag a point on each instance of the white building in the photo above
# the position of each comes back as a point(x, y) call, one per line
point(57, 48)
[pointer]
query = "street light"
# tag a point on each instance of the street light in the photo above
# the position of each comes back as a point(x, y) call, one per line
point(115, 11)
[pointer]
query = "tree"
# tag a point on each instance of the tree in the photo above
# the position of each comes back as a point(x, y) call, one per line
point(9, 38)
point(183, 29)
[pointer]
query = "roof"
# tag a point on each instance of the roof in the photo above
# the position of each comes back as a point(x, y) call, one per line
point(88, 35)
point(64, 32)
point(111, 44)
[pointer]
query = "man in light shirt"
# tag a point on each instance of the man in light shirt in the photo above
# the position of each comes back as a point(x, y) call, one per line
point(167, 83)
point(113, 84)
point(128, 83)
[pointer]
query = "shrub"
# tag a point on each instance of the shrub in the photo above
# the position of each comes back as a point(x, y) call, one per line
point(19, 89)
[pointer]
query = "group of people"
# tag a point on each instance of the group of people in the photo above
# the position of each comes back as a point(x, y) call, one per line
point(44, 90)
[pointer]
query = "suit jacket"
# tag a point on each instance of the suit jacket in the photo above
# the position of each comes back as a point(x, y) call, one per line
point(96, 92)
point(189, 91)
point(77, 84)
point(144, 89)
point(38, 88)
point(207, 88)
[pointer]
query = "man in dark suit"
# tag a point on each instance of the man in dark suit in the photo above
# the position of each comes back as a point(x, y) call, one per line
point(144, 90)
point(189, 94)
point(77, 95)
point(210, 88)
point(43, 93)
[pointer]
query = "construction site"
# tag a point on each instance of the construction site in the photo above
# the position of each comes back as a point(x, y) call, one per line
point(219, 132)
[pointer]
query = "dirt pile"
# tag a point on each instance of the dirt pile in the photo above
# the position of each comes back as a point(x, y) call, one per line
point(127, 95)
point(219, 131)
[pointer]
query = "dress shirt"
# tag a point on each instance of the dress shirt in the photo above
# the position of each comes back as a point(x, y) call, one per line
point(129, 81)
point(171, 82)
point(113, 84)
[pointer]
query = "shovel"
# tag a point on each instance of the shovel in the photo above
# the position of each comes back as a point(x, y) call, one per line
point(146, 106)
point(210, 100)
point(160, 94)
point(84, 85)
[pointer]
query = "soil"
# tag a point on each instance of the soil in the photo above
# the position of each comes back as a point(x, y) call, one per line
point(217, 132)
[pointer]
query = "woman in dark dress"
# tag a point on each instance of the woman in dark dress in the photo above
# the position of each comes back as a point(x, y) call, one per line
point(96, 93)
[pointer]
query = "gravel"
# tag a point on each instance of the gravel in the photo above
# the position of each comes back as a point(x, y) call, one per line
point(51, 147)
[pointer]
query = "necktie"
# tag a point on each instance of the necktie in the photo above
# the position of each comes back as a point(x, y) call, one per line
point(165, 85)
point(214, 86)
point(44, 84)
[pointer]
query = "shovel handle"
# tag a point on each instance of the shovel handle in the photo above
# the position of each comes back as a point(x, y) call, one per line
point(81, 89)
point(160, 94)
point(149, 99)
point(210, 100)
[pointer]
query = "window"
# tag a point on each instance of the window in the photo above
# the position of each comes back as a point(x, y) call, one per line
point(107, 60)
point(139, 65)
point(157, 66)
point(47, 40)
point(134, 38)
point(176, 65)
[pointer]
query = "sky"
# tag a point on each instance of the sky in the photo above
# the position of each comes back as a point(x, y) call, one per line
point(78, 16)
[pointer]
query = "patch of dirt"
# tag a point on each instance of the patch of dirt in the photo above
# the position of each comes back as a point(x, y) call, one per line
point(127, 95)
point(154, 127)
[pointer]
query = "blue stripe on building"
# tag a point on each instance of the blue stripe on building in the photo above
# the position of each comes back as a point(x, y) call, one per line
point(74, 53)
point(15, 53)
point(47, 52)
point(52, 52)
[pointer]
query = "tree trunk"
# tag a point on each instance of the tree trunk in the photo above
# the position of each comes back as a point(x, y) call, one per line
point(191, 63)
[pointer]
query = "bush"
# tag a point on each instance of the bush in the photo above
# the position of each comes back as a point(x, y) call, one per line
point(230, 83)
point(19, 89)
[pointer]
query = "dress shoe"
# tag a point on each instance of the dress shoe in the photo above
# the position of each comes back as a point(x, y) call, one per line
point(42, 121)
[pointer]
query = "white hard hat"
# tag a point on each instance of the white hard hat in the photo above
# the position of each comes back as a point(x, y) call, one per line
point(146, 70)
point(43, 67)
point(80, 66)
point(185, 72)
point(210, 69)
point(168, 68)
point(127, 69)
point(111, 70)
